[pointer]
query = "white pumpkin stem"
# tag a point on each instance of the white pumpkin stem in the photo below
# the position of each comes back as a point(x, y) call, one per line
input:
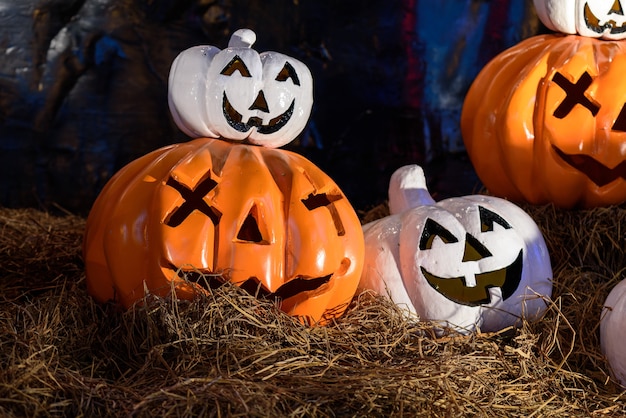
point(242, 38)
point(407, 189)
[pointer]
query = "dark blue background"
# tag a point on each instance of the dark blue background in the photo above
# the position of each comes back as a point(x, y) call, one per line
point(83, 85)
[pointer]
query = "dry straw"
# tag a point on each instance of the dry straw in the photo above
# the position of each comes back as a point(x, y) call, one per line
point(229, 354)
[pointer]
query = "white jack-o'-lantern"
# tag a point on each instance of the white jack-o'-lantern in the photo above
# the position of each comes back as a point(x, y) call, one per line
point(613, 331)
point(593, 18)
point(471, 261)
point(240, 95)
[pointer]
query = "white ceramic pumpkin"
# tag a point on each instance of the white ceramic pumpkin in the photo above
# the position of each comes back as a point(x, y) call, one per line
point(471, 261)
point(593, 18)
point(613, 331)
point(240, 95)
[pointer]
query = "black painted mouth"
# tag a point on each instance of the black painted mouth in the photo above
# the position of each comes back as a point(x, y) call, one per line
point(595, 171)
point(253, 286)
point(593, 23)
point(455, 289)
point(234, 119)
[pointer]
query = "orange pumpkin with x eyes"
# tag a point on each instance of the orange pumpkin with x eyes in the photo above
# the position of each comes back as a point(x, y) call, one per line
point(269, 220)
point(545, 121)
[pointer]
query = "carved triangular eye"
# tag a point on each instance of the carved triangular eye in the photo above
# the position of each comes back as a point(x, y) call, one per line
point(487, 219)
point(288, 72)
point(250, 231)
point(236, 64)
point(620, 122)
point(431, 230)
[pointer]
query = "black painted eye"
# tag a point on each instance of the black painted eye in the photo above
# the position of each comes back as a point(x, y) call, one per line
point(288, 72)
point(431, 230)
point(488, 218)
point(236, 64)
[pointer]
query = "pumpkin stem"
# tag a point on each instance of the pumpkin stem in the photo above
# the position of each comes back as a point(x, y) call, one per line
point(407, 189)
point(242, 38)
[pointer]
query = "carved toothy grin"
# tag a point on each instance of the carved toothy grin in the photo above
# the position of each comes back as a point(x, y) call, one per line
point(593, 23)
point(594, 170)
point(455, 289)
point(234, 119)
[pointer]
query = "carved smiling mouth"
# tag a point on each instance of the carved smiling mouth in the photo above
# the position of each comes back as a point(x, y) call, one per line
point(595, 171)
point(234, 119)
point(593, 23)
point(455, 289)
point(253, 286)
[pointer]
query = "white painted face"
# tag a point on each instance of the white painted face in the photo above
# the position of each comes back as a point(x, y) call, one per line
point(474, 253)
point(592, 18)
point(469, 261)
point(238, 94)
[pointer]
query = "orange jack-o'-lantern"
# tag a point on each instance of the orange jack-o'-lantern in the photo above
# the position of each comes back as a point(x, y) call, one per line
point(545, 121)
point(268, 220)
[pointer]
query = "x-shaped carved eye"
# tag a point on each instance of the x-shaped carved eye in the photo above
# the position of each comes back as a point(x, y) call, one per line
point(575, 95)
point(193, 201)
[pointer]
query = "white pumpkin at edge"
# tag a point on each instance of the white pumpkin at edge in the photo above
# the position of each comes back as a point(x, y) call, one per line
point(240, 95)
point(613, 331)
point(466, 262)
point(592, 18)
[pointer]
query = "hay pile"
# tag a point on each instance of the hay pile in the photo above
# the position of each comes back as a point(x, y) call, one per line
point(232, 355)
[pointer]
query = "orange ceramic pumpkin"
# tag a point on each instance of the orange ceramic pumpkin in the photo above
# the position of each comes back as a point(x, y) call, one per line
point(268, 220)
point(545, 121)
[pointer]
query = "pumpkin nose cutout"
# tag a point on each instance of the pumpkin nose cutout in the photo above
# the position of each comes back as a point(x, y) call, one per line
point(474, 250)
point(617, 9)
point(260, 103)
